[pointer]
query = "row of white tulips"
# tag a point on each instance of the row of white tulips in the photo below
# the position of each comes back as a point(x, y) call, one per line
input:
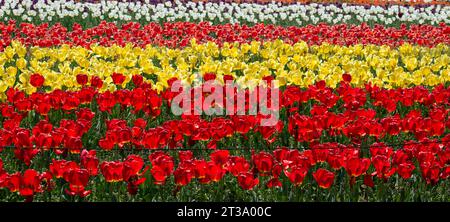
point(294, 14)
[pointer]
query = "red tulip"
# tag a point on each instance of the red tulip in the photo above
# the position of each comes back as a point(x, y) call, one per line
point(263, 162)
point(185, 155)
point(78, 180)
point(132, 167)
point(430, 172)
point(30, 183)
point(247, 181)
point(182, 176)
point(96, 82)
point(12, 182)
point(137, 80)
point(382, 166)
point(59, 167)
point(37, 80)
point(209, 76)
point(112, 171)
point(296, 175)
point(199, 170)
point(90, 161)
point(82, 79)
point(159, 175)
point(357, 166)
point(141, 123)
point(118, 78)
point(131, 173)
point(238, 165)
point(27, 184)
point(405, 170)
point(214, 172)
point(163, 161)
point(347, 77)
point(220, 157)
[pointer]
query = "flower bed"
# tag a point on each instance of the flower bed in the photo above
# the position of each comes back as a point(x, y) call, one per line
point(129, 105)
point(68, 12)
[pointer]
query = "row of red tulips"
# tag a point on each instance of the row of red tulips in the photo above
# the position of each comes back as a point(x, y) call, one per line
point(140, 96)
point(430, 160)
point(139, 118)
point(179, 34)
point(358, 127)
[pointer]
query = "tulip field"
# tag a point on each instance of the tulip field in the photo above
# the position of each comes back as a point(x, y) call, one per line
point(224, 100)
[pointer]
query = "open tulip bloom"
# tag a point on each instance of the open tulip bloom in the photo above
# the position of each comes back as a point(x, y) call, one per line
point(224, 101)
